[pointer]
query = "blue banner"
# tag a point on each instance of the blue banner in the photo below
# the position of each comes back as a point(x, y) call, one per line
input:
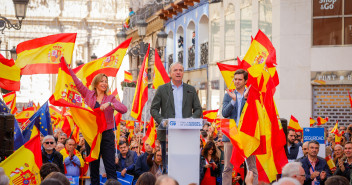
point(316, 134)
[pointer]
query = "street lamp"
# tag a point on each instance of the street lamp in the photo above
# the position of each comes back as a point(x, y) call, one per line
point(20, 11)
point(142, 28)
point(13, 53)
point(121, 36)
point(161, 36)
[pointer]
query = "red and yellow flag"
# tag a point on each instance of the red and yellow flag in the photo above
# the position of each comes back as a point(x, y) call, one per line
point(141, 92)
point(160, 74)
point(335, 130)
point(338, 137)
point(210, 115)
point(23, 116)
point(130, 127)
point(293, 124)
point(330, 162)
point(55, 114)
point(108, 64)
point(42, 55)
point(9, 74)
point(23, 166)
point(69, 127)
point(349, 96)
point(116, 94)
point(10, 101)
point(322, 121)
point(128, 77)
point(91, 122)
point(311, 121)
point(228, 72)
point(150, 136)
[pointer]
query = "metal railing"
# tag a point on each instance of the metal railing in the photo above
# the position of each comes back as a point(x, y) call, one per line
point(191, 57)
point(204, 48)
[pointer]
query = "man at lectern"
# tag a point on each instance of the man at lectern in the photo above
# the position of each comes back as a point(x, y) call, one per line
point(174, 100)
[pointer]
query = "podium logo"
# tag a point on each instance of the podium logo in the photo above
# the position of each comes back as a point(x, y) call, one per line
point(172, 123)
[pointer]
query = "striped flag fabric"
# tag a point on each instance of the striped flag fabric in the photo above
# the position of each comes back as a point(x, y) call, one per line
point(311, 121)
point(23, 166)
point(42, 55)
point(150, 136)
point(322, 121)
point(210, 115)
point(9, 74)
point(335, 130)
point(338, 137)
point(160, 75)
point(141, 92)
point(91, 122)
point(108, 64)
point(330, 162)
point(350, 98)
point(10, 100)
point(128, 77)
point(293, 124)
point(23, 116)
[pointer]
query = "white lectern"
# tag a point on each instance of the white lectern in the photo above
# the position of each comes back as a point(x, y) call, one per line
point(184, 149)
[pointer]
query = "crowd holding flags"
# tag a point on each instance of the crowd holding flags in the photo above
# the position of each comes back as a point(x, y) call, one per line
point(9, 80)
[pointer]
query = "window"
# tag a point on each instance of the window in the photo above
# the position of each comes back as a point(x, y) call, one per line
point(215, 39)
point(265, 17)
point(246, 25)
point(230, 32)
point(332, 22)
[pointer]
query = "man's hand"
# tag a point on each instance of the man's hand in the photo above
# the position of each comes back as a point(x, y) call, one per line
point(314, 174)
point(104, 106)
point(231, 94)
point(103, 175)
point(322, 175)
point(245, 95)
point(70, 153)
point(249, 178)
point(116, 160)
point(342, 167)
point(123, 172)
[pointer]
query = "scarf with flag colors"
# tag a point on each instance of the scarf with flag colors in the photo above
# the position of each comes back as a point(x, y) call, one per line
point(128, 77)
point(108, 64)
point(9, 74)
point(322, 121)
point(90, 122)
point(42, 55)
point(141, 92)
point(293, 124)
point(160, 75)
point(10, 100)
point(23, 166)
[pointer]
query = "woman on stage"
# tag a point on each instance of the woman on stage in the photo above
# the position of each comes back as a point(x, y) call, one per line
point(97, 97)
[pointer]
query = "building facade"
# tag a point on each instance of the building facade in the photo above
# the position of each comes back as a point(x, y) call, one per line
point(313, 44)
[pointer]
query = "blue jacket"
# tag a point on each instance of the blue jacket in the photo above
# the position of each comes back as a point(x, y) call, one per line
point(128, 162)
point(320, 166)
point(230, 111)
point(141, 165)
point(72, 166)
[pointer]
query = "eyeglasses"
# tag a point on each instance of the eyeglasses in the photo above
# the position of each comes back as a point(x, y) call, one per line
point(49, 143)
point(135, 147)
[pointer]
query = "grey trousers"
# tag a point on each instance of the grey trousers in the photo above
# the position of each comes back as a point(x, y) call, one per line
point(228, 167)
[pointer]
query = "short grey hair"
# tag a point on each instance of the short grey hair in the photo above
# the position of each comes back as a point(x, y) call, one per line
point(4, 180)
point(48, 137)
point(284, 180)
point(63, 134)
point(173, 64)
point(291, 169)
point(338, 145)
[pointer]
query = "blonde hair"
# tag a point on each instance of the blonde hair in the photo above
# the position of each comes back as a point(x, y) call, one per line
point(96, 81)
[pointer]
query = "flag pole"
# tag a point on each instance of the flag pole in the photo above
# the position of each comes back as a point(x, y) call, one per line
point(145, 119)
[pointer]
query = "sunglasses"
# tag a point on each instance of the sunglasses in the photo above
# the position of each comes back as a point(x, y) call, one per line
point(135, 147)
point(49, 143)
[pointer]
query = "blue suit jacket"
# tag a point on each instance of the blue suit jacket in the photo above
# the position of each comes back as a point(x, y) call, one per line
point(230, 111)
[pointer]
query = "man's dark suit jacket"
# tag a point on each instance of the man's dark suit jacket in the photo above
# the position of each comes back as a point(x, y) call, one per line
point(164, 101)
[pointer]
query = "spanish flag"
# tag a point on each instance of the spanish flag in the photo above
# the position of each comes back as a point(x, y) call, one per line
point(42, 55)
point(160, 74)
point(293, 124)
point(23, 116)
point(338, 137)
point(322, 121)
point(311, 121)
point(23, 166)
point(10, 100)
point(108, 64)
point(128, 77)
point(116, 94)
point(9, 74)
point(141, 92)
point(55, 114)
point(91, 122)
point(150, 136)
point(130, 127)
point(228, 72)
point(335, 130)
point(210, 115)
point(349, 96)
point(330, 162)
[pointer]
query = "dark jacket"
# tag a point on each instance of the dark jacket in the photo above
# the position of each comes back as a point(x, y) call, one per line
point(346, 173)
point(128, 162)
point(55, 158)
point(230, 111)
point(213, 172)
point(320, 166)
point(141, 165)
point(163, 106)
point(293, 153)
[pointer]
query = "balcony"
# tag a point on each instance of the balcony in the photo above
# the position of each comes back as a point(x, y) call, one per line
point(204, 53)
point(180, 56)
point(170, 59)
point(191, 57)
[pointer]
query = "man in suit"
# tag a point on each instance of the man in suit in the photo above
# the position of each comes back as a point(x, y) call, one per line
point(232, 108)
point(174, 100)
